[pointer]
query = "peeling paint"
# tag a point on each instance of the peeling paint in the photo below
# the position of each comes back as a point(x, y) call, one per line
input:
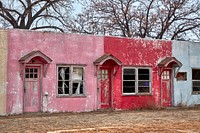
point(62, 49)
point(188, 53)
point(76, 49)
point(137, 53)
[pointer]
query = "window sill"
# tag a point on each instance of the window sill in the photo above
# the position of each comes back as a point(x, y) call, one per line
point(138, 94)
point(71, 96)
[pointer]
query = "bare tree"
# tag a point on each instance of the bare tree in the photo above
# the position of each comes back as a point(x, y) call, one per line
point(160, 19)
point(35, 14)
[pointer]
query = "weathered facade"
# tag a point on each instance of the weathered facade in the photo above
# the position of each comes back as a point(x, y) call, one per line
point(35, 62)
point(54, 72)
point(139, 59)
point(187, 88)
point(3, 71)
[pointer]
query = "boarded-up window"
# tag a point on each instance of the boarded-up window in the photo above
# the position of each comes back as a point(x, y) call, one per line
point(70, 80)
point(136, 80)
point(196, 81)
point(181, 76)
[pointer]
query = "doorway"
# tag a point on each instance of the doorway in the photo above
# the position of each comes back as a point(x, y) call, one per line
point(166, 88)
point(104, 82)
point(33, 68)
point(32, 92)
point(106, 68)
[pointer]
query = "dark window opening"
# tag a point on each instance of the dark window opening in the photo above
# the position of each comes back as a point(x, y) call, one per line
point(128, 87)
point(136, 80)
point(181, 76)
point(196, 81)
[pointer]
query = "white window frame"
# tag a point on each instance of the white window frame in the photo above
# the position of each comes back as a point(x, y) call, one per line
point(194, 80)
point(136, 81)
point(71, 80)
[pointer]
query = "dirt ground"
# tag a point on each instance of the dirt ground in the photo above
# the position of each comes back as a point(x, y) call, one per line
point(151, 121)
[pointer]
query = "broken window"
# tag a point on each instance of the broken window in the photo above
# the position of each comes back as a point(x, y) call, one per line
point(70, 80)
point(136, 80)
point(196, 81)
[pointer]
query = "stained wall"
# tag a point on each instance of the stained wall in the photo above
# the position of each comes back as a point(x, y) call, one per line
point(3, 71)
point(66, 49)
point(84, 50)
point(188, 53)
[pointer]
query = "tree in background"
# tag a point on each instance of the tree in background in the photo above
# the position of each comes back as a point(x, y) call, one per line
point(35, 14)
point(159, 19)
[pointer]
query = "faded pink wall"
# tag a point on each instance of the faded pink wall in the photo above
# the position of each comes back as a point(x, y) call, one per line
point(135, 53)
point(62, 49)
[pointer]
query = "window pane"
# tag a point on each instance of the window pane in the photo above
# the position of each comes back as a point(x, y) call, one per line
point(31, 70)
point(129, 71)
point(77, 88)
point(27, 75)
point(31, 75)
point(77, 73)
point(67, 74)
point(143, 83)
point(27, 70)
point(129, 74)
point(128, 77)
point(128, 87)
point(35, 70)
point(102, 71)
point(35, 76)
point(63, 73)
point(143, 71)
point(143, 89)
point(143, 77)
point(106, 71)
point(196, 83)
point(196, 88)
point(63, 87)
point(196, 74)
point(143, 74)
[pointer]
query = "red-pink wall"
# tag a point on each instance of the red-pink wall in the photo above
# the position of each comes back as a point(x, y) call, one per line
point(137, 52)
point(62, 49)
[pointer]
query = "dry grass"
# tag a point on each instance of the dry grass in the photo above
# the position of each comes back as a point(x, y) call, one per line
point(151, 121)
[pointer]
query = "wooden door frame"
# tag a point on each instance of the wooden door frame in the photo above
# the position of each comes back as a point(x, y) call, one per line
point(171, 85)
point(40, 66)
point(111, 88)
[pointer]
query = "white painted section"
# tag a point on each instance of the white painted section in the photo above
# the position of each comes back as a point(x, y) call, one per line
point(188, 53)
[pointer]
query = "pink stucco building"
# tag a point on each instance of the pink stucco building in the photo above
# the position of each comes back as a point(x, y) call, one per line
point(56, 72)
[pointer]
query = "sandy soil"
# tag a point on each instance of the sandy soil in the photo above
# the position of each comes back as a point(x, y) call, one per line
point(151, 121)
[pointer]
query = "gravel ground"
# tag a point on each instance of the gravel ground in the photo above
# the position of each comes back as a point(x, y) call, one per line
point(151, 121)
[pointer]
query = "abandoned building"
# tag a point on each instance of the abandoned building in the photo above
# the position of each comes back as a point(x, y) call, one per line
point(59, 72)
